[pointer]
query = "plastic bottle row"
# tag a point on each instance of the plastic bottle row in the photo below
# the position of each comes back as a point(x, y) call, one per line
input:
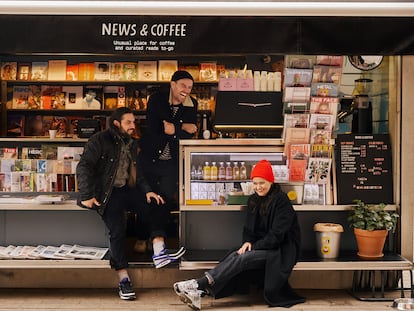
point(221, 172)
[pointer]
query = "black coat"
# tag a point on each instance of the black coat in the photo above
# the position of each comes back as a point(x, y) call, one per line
point(154, 138)
point(97, 167)
point(281, 237)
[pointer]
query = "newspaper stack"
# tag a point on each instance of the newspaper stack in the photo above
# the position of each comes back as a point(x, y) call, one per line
point(63, 251)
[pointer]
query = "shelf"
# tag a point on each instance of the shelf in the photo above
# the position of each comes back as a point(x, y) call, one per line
point(61, 206)
point(53, 264)
point(56, 140)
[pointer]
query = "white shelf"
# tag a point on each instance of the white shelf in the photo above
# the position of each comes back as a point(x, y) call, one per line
point(52, 263)
point(61, 206)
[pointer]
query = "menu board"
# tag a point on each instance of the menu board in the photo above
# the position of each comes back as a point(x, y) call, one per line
point(364, 168)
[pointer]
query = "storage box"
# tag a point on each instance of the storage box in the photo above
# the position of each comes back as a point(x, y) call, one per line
point(237, 199)
point(244, 84)
point(227, 84)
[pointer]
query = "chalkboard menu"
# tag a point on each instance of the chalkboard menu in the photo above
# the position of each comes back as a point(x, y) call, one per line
point(364, 168)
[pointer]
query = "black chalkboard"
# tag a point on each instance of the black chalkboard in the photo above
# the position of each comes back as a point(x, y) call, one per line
point(364, 168)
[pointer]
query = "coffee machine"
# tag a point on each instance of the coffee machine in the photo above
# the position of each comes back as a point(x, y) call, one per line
point(361, 107)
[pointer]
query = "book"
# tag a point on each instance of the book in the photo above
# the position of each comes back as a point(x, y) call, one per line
point(52, 97)
point(208, 72)
point(297, 77)
point(327, 74)
point(34, 100)
point(72, 72)
point(147, 70)
point(24, 71)
point(300, 61)
point(194, 70)
point(321, 121)
point(116, 71)
point(20, 97)
point(289, 107)
point(135, 98)
point(102, 71)
point(321, 151)
point(324, 105)
point(295, 135)
point(68, 152)
point(5, 181)
point(297, 170)
point(57, 70)
point(73, 125)
point(166, 69)
point(113, 96)
point(8, 153)
point(39, 71)
point(86, 71)
point(49, 152)
point(73, 96)
point(31, 153)
point(299, 152)
point(318, 170)
point(33, 125)
point(129, 71)
point(93, 97)
point(325, 89)
point(330, 60)
point(314, 194)
point(320, 137)
point(296, 94)
point(8, 71)
point(15, 125)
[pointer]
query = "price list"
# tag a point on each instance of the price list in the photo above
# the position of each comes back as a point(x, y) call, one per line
point(364, 168)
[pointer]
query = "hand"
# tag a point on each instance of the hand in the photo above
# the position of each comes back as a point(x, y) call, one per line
point(246, 247)
point(90, 203)
point(169, 128)
point(155, 196)
point(189, 128)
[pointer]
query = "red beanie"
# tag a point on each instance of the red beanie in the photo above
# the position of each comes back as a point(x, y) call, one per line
point(264, 170)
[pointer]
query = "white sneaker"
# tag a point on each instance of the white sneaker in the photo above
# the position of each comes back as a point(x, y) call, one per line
point(183, 286)
point(192, 297)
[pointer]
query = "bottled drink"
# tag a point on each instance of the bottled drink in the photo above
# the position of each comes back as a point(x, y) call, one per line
point(236, 171)
point(229, 171)
point(243, 171)
point(222, 171)
point(193, 172)
point(213, 171)
point(199, 173)
point(206, 171)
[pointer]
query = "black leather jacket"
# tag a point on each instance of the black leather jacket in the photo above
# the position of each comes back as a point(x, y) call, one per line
point(97, 167)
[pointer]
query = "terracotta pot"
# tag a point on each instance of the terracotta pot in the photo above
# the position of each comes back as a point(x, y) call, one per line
point(370, 243)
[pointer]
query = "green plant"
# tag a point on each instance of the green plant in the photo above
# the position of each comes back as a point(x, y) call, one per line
point(372, 217)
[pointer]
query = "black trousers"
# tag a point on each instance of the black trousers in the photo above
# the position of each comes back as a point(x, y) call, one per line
point(151, 216)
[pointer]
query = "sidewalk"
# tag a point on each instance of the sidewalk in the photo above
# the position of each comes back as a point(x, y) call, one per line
point(164, 299)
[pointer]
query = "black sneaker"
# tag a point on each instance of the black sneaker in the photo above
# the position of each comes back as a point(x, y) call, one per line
point(126, 291)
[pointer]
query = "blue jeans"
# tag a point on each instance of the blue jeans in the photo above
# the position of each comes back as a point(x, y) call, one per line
point(233, 265)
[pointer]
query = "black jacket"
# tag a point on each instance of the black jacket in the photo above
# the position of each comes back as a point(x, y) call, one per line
point(154, 138)
point(97, 167)
point(281, 237)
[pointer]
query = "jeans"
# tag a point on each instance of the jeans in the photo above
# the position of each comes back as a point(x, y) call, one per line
point(234, 264)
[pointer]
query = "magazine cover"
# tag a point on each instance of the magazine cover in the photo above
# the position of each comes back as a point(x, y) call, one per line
point(73, 96)
point(327, 74)
point(318, 170)
point(57, 70)
point(147, 70)
point(330, 60)
point(52, 97)
point(296, 94)
point(297, 77)
point(15, 125)
point(20, 97)
point(9, 71)
point(102, 71)
point(300, 61)
point(93, 97)
point(208, 72)
point(116, 71)
point(321, 121)
point(166, 69)
point(86, 71)
point(39, 71)
point(129, 71)
point(324, 89)
point(72, 72)
point(324, 105)
point(34, 100)
point(24, 71)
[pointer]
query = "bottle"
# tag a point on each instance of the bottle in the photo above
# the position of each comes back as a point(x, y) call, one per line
point(213, 171)
point(263, 81)
point(199, 173)
point(206, 171)
point(221, 172)
point(278, 81)
point(236, 171)
point(243, 171)
point(229, 171)
point(193, 172)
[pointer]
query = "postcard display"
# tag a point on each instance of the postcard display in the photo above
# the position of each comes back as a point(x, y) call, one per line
point(310, 100)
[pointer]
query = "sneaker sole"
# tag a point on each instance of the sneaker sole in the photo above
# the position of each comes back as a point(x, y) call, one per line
point(183, 297)
point(169, 258)
point(127, 297)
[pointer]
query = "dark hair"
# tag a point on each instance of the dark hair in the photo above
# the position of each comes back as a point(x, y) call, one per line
point(118, 113)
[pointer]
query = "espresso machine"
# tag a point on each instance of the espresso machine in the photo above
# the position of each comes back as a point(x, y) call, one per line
point(361, 107)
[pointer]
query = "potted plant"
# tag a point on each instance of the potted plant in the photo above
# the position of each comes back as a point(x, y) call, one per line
point(371, 223)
